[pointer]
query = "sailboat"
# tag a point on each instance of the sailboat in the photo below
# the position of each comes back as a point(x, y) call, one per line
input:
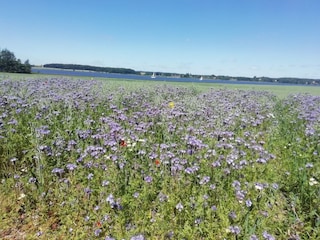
point(201, 78)
point(153, 75)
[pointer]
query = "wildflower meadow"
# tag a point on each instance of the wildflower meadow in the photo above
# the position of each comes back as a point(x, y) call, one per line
point(97, 159)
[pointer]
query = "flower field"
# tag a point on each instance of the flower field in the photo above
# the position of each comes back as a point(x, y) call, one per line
point(89, 159)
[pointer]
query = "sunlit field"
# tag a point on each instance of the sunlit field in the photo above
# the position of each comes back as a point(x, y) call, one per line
point(115, 159)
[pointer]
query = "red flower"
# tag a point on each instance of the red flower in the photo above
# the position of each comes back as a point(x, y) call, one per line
point(157, 162)
point(99, 224)
point(123, 143)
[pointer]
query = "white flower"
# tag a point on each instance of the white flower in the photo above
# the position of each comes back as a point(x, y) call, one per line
point(258, 186)
point(313, 181)
point(22, 195)
point(179, 206)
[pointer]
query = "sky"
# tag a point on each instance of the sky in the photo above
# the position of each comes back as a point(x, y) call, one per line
point(272, 38)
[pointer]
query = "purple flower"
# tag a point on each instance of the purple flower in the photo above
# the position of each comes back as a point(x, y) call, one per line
point(267, 236)
point(136, 195)
point(264, 213)
point(253, 237)
point(71, 166)
point(216, 164)
point(105, 183)
point(189, 170)
point(13, 122)
point(259, 186)
point(236, 184)
point(87, 191)
point(240, 195)
point(58, 170)
point(97, 232)
point(248, 203)
point(232, 215)
point(148, 179)
point(275, 186)
point(162, 197)
point(110, 199)
point(205, 197)
point(43, 130)
point(138, 237)
point(204, 180)
point(309, 165)
point(197, 221)
point(96, 208)
point(90, 176)
point(32, 180)
point(214, 208)
point(235, 230)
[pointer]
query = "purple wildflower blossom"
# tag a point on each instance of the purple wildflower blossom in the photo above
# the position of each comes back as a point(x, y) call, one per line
point(309, 165)
point(214, 208)
point(32, 180)
point(71, 166)
point(232, 215)
point(253, 237)
point(87, 191)
point(204, 180)
point(105, 183)
point(138, 237)
point(97, 232)
point(58, 170)
point(110, 199)
point(235, 230)
point(162, 197)
point(248, 203)
point(148, 179)
point(267, 236)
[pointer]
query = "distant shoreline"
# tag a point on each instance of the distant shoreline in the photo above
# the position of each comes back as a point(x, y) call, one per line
point(87, 73)
point(127, 71)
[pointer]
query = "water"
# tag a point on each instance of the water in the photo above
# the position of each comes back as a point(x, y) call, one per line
point(54, 71)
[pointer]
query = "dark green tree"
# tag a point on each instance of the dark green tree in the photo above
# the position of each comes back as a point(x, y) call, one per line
point(9, 63)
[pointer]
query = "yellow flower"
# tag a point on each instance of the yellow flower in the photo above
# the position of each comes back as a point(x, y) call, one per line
point(171, 104)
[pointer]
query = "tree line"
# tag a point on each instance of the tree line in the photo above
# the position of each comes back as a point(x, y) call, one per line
point(9, 63)
point(90, 68)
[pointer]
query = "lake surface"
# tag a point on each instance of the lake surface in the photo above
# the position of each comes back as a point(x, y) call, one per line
point(55, 71)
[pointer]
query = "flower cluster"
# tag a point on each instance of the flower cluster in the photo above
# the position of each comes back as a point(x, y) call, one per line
point(157, 158)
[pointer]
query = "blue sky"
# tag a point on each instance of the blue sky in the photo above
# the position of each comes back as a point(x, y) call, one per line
point(275, 38)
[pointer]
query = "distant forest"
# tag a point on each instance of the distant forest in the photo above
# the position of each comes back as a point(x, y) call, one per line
point(90, 68)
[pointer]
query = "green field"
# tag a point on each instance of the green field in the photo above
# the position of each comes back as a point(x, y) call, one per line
point(84, 158)
point(280, 91)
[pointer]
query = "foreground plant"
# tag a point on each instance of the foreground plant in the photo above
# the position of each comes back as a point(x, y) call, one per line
point(88, 159)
